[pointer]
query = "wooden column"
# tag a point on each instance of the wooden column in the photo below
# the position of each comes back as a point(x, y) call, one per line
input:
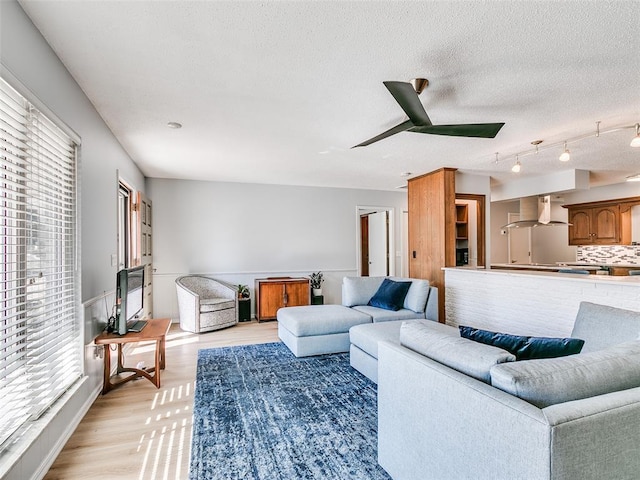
point(432, 228)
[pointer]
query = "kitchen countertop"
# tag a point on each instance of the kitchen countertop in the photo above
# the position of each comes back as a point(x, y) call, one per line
point(553, 274)
point(623, 265)
point(544, 266)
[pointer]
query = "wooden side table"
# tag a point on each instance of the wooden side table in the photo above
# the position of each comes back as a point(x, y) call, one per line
point(155, 330)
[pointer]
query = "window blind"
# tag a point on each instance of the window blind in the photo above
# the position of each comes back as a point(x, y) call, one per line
point(40, 330)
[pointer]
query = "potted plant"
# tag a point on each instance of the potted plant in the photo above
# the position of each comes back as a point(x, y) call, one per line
point(316, 283)
point(243, 292)
point(244, 304)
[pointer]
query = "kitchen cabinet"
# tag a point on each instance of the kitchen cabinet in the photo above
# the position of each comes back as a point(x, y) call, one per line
point(621, 271)
point(602, 223)
point(598, 225)
point(278, 292)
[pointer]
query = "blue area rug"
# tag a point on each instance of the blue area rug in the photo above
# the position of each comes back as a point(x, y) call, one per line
point(261, 413)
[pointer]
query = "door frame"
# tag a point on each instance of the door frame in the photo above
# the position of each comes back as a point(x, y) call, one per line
point(481, 217)
point(366, 209)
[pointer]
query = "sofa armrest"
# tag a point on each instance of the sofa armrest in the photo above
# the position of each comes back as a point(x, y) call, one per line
point(596, 437)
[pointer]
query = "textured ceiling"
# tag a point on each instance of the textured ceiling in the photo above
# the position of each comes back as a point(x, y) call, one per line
point(278, 92)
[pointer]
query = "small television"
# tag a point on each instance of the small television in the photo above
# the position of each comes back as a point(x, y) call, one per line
point(129, 297)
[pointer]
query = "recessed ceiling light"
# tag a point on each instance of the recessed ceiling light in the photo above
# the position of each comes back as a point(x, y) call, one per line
point(175, 125)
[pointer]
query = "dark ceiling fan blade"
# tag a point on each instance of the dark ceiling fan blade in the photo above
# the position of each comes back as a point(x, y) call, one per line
point(408, 99)
point(484, 130)
point(403, 127)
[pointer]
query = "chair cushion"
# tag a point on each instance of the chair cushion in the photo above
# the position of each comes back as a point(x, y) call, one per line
point(390, 295)
point(556, 380)
point(447, 347)
point(215, 304)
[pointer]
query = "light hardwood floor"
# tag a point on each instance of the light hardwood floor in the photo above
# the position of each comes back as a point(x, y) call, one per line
point(140, 432)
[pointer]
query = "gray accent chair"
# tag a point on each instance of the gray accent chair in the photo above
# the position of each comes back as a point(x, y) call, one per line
point(205, 304)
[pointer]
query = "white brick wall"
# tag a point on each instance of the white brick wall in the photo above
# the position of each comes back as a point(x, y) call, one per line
point(530, 303)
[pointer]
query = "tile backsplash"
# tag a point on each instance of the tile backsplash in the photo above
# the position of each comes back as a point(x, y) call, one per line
point(609, 254)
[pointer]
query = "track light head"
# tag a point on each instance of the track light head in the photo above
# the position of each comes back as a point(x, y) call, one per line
point(635, 142)
point(566, 155)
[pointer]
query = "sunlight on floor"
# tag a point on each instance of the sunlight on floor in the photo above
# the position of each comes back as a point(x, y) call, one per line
point(170, 431)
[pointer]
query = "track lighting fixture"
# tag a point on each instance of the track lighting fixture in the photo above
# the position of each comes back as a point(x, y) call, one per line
point(636, 140)
point(565, 156)
point(566, 153)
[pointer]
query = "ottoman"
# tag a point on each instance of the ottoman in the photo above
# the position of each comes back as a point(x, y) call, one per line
point(318, 329)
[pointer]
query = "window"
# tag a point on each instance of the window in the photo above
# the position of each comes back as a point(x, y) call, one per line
point(124, 226)
point(40, 328)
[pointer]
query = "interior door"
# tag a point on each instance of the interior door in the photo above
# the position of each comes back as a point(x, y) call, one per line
point(378, 244)
point(519, 242)
point(144, 254)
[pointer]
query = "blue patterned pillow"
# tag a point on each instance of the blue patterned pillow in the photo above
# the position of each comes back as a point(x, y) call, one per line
point(390, 295)
point(525, 348)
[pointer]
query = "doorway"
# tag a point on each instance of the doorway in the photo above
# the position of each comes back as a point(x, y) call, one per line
point(470, 245)
point(375, 241)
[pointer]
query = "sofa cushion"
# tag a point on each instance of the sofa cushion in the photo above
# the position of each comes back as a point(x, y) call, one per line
point(381, 315)
point(419, 291)
point(390, 295)
point(312, 320)
point(367, 336)
point(524, 348)
point(447, 347)
point(359, 290)
point(556, 380)
point(593, 324)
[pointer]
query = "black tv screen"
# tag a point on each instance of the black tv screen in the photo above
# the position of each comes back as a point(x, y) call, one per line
point(129, 296)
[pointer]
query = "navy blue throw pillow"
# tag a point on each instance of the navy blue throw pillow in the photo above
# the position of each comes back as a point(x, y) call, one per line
point(525, 348)
point(510, 343)
point(390, 295)
point(542, 347)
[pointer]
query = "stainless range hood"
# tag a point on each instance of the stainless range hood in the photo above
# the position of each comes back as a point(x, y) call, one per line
point(535, 212)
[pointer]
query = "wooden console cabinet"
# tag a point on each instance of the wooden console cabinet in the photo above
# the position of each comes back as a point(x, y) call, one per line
point(274, 293)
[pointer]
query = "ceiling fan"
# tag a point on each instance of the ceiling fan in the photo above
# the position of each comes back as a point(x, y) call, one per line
point(406, 94)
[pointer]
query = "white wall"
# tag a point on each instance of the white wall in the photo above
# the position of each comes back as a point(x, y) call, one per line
point(27, 56)
point(239, 232)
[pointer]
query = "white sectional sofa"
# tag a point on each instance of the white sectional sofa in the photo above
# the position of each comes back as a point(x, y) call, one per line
point(448, 409)
point(322, 329)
